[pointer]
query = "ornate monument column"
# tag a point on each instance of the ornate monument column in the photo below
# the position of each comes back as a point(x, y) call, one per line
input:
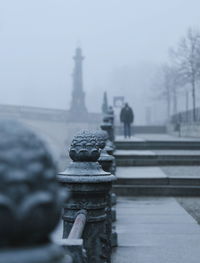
point(78, 108)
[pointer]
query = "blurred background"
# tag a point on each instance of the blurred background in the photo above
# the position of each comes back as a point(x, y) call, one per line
point(131, 49)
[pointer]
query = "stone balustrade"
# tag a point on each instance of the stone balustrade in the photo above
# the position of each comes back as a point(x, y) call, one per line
point(90, 187)
point(32, 196)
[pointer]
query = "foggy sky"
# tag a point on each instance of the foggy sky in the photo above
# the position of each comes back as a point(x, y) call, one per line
point(122, 41)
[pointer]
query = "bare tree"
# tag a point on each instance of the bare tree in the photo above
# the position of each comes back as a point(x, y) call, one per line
point(167, 83)
point(186, 58)
point(174, 85)
point(166, 88)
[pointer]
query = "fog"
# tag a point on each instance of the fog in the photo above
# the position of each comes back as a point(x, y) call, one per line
point(123, 43)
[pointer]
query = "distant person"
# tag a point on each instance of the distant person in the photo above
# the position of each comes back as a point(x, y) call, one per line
point(127, 117)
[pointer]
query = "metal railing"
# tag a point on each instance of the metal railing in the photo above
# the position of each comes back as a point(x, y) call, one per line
point(186, 117)
point(78, 226)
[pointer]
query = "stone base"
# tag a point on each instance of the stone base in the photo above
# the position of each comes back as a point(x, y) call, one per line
point(114, 216)
point(114, 199)
point(114, 239)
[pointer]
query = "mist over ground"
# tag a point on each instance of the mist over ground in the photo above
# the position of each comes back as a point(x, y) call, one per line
point(123, 43)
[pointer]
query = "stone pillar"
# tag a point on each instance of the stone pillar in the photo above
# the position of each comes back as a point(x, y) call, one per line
point(105, 160)
point(110, 147)
point(89, 186)
point(30, 198)
point(111, 114)
point(112, 120)
point(108, 126)
point(111, 117)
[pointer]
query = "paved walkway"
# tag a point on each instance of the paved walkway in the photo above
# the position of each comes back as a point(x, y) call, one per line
point(155, 137)
point(140, 172)
point(156, 152)
point(155, 230)
point(158, 172)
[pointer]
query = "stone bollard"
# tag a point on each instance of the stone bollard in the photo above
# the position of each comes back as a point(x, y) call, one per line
point(90, 187)
point(105, 160)
point(30, 198)
point(108, 127)
point(110, 113)
point(110, 116)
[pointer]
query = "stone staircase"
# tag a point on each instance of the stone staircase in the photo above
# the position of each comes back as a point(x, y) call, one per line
point(176, 144)
point(142, 167)
point(157, 157)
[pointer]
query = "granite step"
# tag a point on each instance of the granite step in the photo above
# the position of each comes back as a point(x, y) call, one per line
point(157, 157)
point(158, 145)
point(156, 190)
point(134, 181)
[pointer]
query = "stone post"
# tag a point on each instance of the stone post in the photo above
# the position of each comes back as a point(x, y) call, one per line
point(30, 198)
point(106, 160)
point(89, 186)
point(108, 127)
point(111, 116)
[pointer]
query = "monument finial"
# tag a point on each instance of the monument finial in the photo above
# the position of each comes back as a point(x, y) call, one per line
point(78, 43)
point(105, 103)
point(78, 108)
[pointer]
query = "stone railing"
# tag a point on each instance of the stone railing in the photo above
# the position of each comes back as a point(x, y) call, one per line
point(183, 124)
point(90, 189)
point(32, 196)
point(44, 114)
point(186, 117)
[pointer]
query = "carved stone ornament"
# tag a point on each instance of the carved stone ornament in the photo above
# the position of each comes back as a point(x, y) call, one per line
point(85, 147)
point(85, 151)
point(30, 199)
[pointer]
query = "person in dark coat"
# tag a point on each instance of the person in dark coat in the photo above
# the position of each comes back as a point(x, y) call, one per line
point(127, 117)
